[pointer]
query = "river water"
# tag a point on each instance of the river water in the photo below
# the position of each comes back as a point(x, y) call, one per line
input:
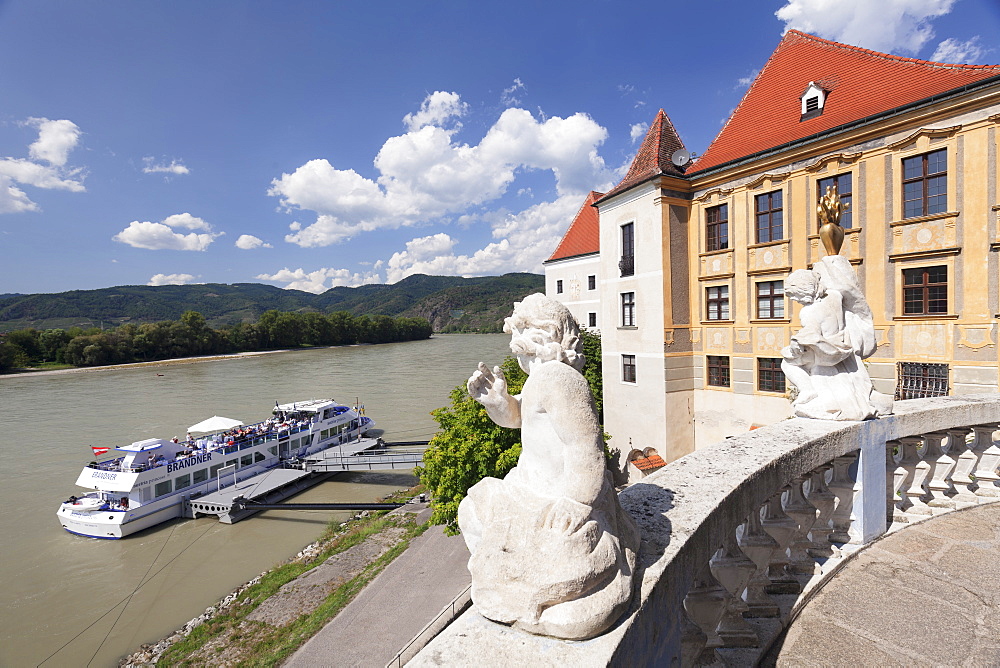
point(74, 601)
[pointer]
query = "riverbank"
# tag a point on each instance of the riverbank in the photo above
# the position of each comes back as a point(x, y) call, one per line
point(266, 620)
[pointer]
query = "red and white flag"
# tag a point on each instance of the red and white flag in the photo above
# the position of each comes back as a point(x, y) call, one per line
point(99, 451)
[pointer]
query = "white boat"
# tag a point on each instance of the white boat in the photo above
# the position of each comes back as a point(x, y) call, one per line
point(155, 478)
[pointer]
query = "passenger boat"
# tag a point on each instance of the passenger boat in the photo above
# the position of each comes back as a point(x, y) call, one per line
point(153, 480)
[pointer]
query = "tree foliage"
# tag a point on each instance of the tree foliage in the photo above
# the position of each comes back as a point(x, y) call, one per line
point(470, 446)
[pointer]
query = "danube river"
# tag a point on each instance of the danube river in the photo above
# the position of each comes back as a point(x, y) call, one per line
point(73, 601)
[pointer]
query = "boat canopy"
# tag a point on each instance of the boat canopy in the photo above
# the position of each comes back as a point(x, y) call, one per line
point(142, 446)
point(214, 423)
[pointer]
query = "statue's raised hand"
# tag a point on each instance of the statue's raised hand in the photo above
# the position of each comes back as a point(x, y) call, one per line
point(488, 387)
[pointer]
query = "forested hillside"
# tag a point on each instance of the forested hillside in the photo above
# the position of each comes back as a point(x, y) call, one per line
point(449, 303)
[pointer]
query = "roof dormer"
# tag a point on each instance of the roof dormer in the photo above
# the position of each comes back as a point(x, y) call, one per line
point(812, 100)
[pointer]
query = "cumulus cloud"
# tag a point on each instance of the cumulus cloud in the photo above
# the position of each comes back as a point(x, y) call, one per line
point(744, 82)
point(523, 242)
point(161, 236)
point(170, 279)
point(637, 131)
point(249, 242)
point(45, 168)
point(954, 51)
point(174, 167)
point(425, 174)
point(437, 109)
point(510, 96)
point(320, 280)
point(895, 26)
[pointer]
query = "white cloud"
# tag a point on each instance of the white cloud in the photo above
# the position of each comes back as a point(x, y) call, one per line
point(424, 174)
point(637, 131)
point(161, 236)
point(436, 109)
point(55, 140)
point(249, 242)
point(174, 167)
point(953, 51)
point(895, 26)
point(744, 82)
point(170, 279)
point(509, 97)
point(524, 241)
point(320, 280)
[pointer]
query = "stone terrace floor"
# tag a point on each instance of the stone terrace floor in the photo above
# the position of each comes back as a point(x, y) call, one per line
point(928, 595)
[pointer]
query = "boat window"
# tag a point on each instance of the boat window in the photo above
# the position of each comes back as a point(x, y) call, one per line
point(182, 481)
point(162, 488)
point(257, 457)
point(273, 450)
point(246, 460)
point(214, 471)
point(231, 462)
point(201, 475)
point(325, 434)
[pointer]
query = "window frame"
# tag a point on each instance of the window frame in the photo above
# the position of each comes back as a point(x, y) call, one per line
point(768, 371)
point(592, 282)
point(559, 286)
point(628, 309)
point(717, 228)
point(770, 213)
point(772, 298)
point(925, 289)
point(591, 319)
point(718, 303)
point(717, 369)
point(925, 180)
point(627, 263)
point(628, 369)
point(847, 217)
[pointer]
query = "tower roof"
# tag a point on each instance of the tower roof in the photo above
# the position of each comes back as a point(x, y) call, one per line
point(653, 158)
point(584, 235)
point(858, 83)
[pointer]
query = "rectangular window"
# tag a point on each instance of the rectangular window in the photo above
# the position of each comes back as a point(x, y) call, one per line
point(717, 227)
point(717, 302)
point(718, 371)
point(182, 481)
point(918, 380)
point(201, 475)
point(770, 377)
point(558, 287)
point(628, 368)
point(258, 457)
point(231, 462)
point(162, 488)
point(592, 282)
point(628, 309)
point(214, 471)
point(627, 264)
point(925, 184)
point(592, 320)
point(246, 460)
point(844, 189)
point(770, 221)
point(770, 299)
point(925, 291)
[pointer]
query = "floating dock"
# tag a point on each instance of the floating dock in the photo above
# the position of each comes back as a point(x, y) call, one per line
point(246, 497)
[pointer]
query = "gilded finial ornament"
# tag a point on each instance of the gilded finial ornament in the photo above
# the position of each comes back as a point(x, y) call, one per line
point(829, 211)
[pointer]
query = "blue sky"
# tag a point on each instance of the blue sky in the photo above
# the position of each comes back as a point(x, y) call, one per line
point(315, 144)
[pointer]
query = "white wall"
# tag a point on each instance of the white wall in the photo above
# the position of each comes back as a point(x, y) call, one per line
point(576, 296)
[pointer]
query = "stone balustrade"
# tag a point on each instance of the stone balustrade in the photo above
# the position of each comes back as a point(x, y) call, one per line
point(735, 536)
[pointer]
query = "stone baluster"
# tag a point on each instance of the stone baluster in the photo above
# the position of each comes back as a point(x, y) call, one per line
point(705, 604)
point(966, 459)
point(758, 545)
point(782, 529)
point(733, 570)
point(825, 501)
point(895, 479)
point(804, 513)
point(693, 641)
point(842, 486)
point(989, 459)
point(942, 464)
point(917, 471)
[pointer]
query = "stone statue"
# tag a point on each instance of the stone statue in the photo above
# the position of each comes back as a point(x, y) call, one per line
point(824, 359)
point(553, 553)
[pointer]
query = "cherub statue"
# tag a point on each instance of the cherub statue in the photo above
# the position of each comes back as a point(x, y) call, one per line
point(552, 550)
point(824, 359)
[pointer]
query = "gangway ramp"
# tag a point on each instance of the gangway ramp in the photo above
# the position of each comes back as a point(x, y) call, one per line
point(267, 487)
point(380, 460)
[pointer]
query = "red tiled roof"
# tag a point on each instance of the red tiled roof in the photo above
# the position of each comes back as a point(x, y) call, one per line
point(859, 83)
point(654, 155)
point(649, 463)
point(584, 234)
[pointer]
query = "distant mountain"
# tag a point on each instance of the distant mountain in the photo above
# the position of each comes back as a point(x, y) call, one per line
point(450, 303)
